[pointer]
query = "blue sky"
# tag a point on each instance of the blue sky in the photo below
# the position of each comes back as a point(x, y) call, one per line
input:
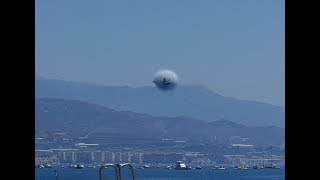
point(235, 48)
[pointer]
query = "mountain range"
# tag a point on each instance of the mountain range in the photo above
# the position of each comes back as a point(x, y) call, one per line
point(196, 102)
point(82, 119)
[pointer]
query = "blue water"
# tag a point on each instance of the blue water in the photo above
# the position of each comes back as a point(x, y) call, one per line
point(160, 173)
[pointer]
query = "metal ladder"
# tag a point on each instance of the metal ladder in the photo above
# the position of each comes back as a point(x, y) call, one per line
point(117, 169)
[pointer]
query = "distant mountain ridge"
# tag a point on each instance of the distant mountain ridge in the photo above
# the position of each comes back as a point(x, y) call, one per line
point(79, 118)
point(187, 101)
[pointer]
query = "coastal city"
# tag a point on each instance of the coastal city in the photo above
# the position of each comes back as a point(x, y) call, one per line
point(68, 152)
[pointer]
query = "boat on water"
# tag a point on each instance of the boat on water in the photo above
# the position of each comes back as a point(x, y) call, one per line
point(168, 167)
point(39, 166)
point(215, 167)
point(221, 168)
point(91, 166)
point(218, 167)
point(272, 166)
point(43, 166)
point(47, 166)
point(76, 166)
point(241, 167)
point(181, 166)
point(258, 167)
point(198, 167)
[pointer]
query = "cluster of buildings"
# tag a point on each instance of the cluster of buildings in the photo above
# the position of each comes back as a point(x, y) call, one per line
point(89, 157)
point(237, 152)
point(140, 157)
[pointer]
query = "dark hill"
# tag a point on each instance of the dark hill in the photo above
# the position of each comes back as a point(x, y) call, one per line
point(79, 118)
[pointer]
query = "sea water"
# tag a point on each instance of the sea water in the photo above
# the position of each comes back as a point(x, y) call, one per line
point(159, 174)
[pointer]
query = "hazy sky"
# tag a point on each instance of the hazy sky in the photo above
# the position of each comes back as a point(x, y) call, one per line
point(234, 47)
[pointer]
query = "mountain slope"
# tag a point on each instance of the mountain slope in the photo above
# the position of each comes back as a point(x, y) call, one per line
point(190, 101)
point(78, 118)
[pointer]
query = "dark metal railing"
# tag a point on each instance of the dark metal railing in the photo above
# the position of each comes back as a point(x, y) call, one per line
point(117, 168)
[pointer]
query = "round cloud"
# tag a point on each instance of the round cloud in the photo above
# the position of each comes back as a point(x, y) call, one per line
point(165, 80)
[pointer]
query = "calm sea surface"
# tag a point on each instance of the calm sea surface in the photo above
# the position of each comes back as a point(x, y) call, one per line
point(160, 173)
